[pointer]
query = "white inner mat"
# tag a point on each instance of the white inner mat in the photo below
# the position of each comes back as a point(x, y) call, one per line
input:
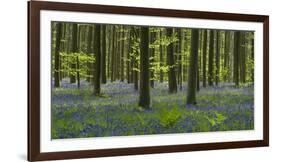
point(48, 145)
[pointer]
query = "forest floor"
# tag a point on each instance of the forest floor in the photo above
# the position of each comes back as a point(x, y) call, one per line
point(76, 113)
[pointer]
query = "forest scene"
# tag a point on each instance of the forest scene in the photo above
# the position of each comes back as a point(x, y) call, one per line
point(123, 80)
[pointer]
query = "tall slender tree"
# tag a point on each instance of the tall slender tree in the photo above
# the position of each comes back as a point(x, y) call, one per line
point(252, 56)
point(89, 51)
point(108, 40)
point(69, 38)
point(63, 37)
point(78, 37)
point(122, 44)
point(243, 57)
point(113, 49)
point(217, 78)
point(78, 71)
point(198, 68)
point(134, 59)
point(211, 59)
point(103, 55)
point(128, 57)
point(152, 55)
point(179, 31)
point(236, 57)
point(161, 51)
point(144, 100)
point(226, 53)
point(136, 75)
point(74, 50)
point(204, 59)
point(193, 64)
point(57, 54)
point(97, 53)
point(171, 63)
point(63, 49)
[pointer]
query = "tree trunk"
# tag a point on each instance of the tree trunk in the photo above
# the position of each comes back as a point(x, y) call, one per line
point(78, 37)
point(122, 54)
point(134, 60)
point(63, 49)
point(78, 71)
point(200, 46)
point(89, 52)
point(77, 61)
point(252, 56)
point(144, 100)
point(236, 58)
point(152, 54)
point(74, 50)
point(180, 58)
point(97, 52)
point(109, 29)
point(63, 33)
point(129, 60)
point(57, 55)
point(136, 77)
point(211, 58)
point(193, 64)
point(243, 57)
point(113, 54)
point(226, 52)
point(218, 58)
point(69, 43)
point(161, 57)
point(118, 55)
point(103, 55)
point(204, 57)
point(171, 63)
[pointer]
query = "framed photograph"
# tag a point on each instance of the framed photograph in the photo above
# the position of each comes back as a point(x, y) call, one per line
point(111, 80)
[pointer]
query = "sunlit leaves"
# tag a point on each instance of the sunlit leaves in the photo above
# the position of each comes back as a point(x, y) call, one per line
point(84, 60)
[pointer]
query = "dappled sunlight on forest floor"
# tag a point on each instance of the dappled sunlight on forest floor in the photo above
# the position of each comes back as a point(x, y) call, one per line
point(77, 113)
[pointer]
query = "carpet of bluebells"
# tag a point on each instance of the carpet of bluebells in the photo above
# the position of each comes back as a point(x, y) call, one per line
point(76, 113)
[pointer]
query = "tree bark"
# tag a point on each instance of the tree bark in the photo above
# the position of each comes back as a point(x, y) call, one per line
point(89, 52)
point(135, 63)
point(113, 54)
point(74, 50)
point(243, 57)
point(211, 58)
point(144, 100)
point(103, 55)
point(97, 52)
point(161, 57)
point(218, 58)
point(57, 55)
point(204, 57)
point(122, 54)
point(152, 54)
point(252, 56)
point(193, 64)
point(108, 39)
point(78, 71)
point(171, 63)
point(180, 58)
point(226, 52)
point(128, 58)
point(236, 58)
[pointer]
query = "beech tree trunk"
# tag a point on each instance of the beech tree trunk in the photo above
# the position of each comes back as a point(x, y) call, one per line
point(144, 100)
